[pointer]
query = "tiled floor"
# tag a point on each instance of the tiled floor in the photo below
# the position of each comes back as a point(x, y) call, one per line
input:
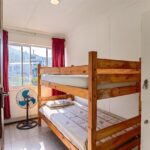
point(38, 138)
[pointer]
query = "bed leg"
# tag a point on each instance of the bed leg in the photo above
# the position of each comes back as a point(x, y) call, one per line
point(39, 120)
point(139, 146)
point(39, 94)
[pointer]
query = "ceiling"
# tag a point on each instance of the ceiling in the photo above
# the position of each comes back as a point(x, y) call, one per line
point(42, 16)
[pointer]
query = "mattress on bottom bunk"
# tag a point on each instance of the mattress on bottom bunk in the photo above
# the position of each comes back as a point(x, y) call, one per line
point(72, 121)
point(79, 81)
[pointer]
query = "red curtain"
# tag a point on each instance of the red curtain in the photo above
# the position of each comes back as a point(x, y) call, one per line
point(58, 56)
point(5, 75)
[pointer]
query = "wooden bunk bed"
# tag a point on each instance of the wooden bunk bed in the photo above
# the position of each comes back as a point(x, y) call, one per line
point(98, 71)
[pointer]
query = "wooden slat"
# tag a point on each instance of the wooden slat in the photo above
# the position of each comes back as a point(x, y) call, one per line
point(114, 92)
point(117, 64)
point(50, 98)
point(117, 71)
point(117, 78)
point(117, 127)
point(130, 145)
point(73, 70)
point(67, 89)
point(68, 144)
point(92, 103)
point(118, 141)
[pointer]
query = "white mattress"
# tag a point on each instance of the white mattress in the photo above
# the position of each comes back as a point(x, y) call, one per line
point(72, 121)
point(79, 81)
point(72, 80)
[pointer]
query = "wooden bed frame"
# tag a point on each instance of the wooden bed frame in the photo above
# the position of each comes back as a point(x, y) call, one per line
point(98, 71)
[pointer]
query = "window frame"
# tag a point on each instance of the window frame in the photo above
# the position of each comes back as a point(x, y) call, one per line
point(29, 46)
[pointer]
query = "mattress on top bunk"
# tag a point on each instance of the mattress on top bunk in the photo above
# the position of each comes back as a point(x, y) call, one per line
point(72, 121)
point(79, 81)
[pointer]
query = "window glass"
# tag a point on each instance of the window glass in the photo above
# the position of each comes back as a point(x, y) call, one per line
point(15, 67)
point(23, 63)
point(38, 56)
point(49, 57)
point(26, 65)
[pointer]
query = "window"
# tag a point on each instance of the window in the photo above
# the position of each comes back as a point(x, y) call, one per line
point(26, 65)
point(15, 66)
point(23, 63)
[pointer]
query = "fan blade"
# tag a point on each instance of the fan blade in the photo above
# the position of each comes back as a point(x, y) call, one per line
point(22, 103)
point(25, 93)
point(33, 100)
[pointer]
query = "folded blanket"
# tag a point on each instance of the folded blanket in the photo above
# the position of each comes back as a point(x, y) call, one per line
point(59, 103)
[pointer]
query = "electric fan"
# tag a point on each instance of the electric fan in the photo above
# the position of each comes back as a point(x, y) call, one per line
point(26, 99)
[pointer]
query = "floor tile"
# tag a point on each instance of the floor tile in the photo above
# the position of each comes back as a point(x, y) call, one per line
point(38, 138)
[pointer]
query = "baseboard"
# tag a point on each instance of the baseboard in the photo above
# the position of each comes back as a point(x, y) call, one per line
point(17, 119)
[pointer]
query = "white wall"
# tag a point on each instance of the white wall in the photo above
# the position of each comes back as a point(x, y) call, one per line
point(116, 35)
point(16, 36)
point(145, 75)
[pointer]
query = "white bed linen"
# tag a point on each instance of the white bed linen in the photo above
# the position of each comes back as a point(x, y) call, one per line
point(79, 81)
point(72, 122)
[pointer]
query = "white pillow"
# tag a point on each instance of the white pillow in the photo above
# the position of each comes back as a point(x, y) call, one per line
point(59, 103)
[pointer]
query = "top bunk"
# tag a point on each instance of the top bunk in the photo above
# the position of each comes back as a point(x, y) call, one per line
point(110, 78)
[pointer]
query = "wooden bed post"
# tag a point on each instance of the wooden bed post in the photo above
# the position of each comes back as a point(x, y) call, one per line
point(140, 102)
point(139, 86)
point(92, 101)
point(39, 94)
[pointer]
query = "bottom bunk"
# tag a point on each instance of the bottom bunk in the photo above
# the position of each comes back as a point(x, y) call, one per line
point(71, 124)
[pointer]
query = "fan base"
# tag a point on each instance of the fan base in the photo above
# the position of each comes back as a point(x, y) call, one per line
point(25, 125)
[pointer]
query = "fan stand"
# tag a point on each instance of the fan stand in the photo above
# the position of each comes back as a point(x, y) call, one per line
point(28, 123)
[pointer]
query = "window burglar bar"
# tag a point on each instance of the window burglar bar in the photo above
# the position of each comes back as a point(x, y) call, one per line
point(32, 63)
